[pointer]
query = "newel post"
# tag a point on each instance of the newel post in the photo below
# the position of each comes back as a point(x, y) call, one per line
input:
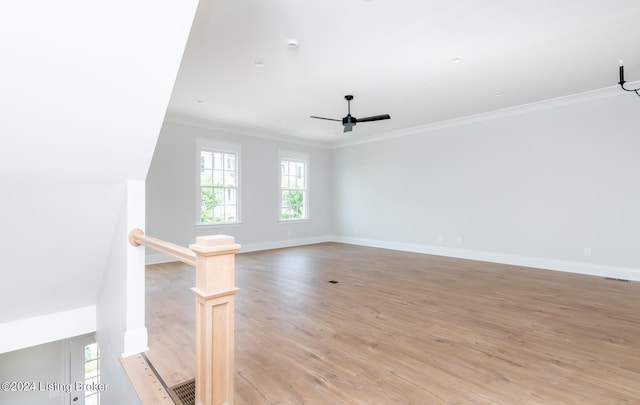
point(215, 289)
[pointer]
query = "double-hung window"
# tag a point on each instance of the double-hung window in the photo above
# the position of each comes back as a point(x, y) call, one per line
point(294, 186)
point(218, 182)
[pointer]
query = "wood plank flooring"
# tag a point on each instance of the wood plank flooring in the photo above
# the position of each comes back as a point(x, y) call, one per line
point(404, 328)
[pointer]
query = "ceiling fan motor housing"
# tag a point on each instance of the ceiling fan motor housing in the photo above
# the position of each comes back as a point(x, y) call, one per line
point(349, 120)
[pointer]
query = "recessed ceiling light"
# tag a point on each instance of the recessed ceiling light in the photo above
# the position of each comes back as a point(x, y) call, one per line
point(498, 94)
point(455, 60)
point(259, 63)
point(199, 101)
point(292, 43)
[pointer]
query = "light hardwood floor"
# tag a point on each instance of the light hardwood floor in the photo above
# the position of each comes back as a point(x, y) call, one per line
point(404, 328)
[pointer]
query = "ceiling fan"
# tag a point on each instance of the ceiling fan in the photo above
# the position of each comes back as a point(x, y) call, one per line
point(349, 121)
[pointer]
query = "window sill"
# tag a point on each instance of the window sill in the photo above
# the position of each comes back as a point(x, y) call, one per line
point(218, 225)
point(289, 221)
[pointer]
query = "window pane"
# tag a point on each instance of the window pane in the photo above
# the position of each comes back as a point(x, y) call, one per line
point(91, 352)
point(218, 196)
point(92, 383)
point(206, 161)
point(206, 205)
point(206, 179)
point(229, 178)
point(91, 367)
point(292, 168)
point(230, 212)
point(284, 179)
point(205, 168)
point(92, 399)
point(300, 170)
point(292, 207)
point(231, 161)
point(218, 177)
point(217, 160)
point(218, 213)
point(231, 196)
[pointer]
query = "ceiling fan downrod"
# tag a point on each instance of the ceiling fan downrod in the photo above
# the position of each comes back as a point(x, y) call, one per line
point(622, 82)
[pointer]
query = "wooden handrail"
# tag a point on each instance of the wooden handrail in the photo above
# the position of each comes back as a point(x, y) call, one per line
point(214, 259)
point(185, 255)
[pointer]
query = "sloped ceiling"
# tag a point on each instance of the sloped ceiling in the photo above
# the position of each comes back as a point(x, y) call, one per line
point(395, 57)
point(85, 86)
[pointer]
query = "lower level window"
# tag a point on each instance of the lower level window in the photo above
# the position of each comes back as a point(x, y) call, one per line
point(91, 374)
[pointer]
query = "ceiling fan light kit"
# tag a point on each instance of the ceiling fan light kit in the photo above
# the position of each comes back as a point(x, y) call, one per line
point(350, 121)
point(622, 82)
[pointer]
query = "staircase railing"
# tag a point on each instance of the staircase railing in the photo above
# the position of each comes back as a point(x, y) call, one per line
point(214, 259)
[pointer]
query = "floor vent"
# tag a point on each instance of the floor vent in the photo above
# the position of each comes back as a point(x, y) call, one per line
point(184, 393)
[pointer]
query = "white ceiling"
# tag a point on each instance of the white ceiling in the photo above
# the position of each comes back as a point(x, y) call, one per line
point(395, 57)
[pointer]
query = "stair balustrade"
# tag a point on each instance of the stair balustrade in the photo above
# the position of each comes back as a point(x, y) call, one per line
point(214, 259)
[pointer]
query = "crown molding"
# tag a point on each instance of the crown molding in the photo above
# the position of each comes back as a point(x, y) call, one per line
point(607, 92)
point(233, 129)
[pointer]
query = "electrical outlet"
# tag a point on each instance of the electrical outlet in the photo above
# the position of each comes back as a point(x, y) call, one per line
point(439, 238)
point(459, 240)
point(355, 231)
point(587, 251)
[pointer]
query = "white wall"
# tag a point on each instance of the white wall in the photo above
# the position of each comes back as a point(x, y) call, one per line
point(121, 307)
point(535, 188)
point(532, 186)
point(53, 235)
point(85, 86)
point(39, 364)
point(171, 191)
point(49, 367)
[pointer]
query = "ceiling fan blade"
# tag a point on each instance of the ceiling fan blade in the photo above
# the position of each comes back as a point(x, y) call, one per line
point(323, 118)
point(375, 118)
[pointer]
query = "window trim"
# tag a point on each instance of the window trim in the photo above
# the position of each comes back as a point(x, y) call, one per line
point(218, 145)
point(290, 155)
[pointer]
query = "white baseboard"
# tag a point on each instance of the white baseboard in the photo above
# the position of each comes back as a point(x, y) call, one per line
point(624, 273)
point(42, 329)
point(157, 258)
point(135, 341)
point(278, 244)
